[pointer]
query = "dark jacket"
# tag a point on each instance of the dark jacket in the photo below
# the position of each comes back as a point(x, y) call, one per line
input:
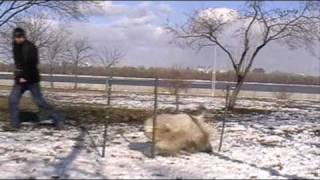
point(26, 62)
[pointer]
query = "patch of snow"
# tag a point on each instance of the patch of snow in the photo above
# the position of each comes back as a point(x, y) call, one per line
point(290, 147)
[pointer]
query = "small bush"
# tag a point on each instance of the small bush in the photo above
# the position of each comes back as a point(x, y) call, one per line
point(283, 95)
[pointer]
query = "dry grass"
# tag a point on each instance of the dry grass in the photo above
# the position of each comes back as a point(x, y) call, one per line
point(82, 114)
point(96, 114)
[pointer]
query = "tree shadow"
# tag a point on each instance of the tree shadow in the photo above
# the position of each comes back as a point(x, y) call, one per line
point(61, 167)
point(269, 170)
point(158, 170)
point(166, 172)
point(269, 129)
point(145, 148)
point(77, 171)
point(94, 144)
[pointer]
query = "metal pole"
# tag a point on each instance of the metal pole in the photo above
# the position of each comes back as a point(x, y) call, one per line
point(213, 76)
point(224, 117)
point(155, 112)
point(109, 88)
point(109, 91)
point(319, 61)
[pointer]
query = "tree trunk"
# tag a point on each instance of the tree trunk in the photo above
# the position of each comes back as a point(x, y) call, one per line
point(76, 77)
point(75, 81)
point(234, 96)
point(177, 100)
point(51, 81)
point(51, 77)
point(106, 85)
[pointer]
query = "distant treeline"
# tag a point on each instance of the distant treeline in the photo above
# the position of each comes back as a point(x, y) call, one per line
point(181, 73)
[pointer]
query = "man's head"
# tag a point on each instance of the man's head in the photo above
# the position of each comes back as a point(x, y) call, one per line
point(19, 35)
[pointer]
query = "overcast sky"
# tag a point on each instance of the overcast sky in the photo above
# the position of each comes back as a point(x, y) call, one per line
point(137, 27)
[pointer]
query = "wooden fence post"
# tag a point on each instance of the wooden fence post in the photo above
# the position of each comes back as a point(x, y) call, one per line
point(155, 112)
point(224, 117)
point(108, 112)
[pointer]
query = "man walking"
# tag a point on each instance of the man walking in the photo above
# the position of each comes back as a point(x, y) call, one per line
point(27, 77)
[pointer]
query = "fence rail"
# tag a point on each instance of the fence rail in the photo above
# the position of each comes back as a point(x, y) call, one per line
point(200, 84)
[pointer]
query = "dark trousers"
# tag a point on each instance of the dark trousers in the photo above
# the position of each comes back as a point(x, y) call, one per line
point(34, 88)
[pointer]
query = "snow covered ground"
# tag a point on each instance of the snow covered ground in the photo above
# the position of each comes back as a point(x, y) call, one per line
point(283, 144)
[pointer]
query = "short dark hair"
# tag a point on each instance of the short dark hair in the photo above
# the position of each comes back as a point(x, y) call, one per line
point(19, 32)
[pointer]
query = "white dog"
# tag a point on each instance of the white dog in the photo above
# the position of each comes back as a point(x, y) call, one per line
point(176, 133)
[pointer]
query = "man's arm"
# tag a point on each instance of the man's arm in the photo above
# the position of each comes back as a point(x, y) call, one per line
point(34, 57)
point(19, 72)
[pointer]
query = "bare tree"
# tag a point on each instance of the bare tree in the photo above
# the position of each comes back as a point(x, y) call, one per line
point(109, 57)
point(39, 31)
point(6, 47)
point(48, 37)
point(308, 39)
point(54, 53)
point(65, 9)
point(78, 52)
point(254, 27)
point(11, 11)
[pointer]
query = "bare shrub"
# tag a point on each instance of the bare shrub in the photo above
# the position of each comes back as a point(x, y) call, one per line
point(78, 52)
point(283, 95)
point(176, 85)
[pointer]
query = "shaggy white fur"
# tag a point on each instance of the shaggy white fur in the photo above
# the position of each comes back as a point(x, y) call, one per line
point(176, 133)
